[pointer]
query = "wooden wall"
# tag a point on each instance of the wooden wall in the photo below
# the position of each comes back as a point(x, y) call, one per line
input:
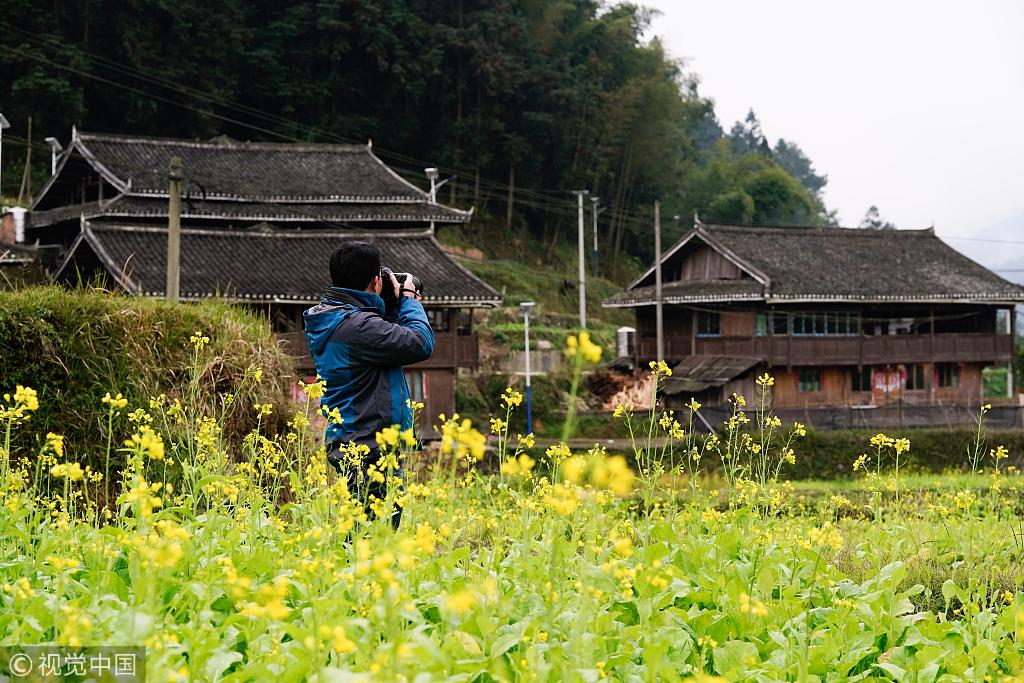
point(836, 389)
point(704, 263)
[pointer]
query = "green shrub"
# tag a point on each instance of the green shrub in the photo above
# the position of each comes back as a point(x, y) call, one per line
point(830, 455)
point(73, 347)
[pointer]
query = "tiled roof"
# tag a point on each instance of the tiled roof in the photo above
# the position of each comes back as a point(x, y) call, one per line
point(691, 291)
point(269, 170)
point(227, 179)
point(271, 264)
point(249, 212)
point(697, 373)
point(16, 254)
point(837, 264)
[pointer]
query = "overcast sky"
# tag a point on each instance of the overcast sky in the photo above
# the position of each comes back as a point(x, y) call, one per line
point(915, 106)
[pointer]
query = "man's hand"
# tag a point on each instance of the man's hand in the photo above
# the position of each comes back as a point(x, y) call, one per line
point(409, 290)
point(394, 284)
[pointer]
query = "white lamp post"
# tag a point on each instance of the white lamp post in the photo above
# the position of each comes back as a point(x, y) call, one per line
point(55, 149)
point(526, 306)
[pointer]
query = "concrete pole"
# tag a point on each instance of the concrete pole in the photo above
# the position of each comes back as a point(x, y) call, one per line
point(594, 212)
point(582, 264)
point(659, 323)
point(529, 397)
point(174, 230)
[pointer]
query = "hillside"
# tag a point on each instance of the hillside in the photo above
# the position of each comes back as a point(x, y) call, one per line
point(518, 105)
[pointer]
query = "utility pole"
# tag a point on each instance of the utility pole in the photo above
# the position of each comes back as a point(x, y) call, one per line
point(26, 177)
point(4, 123)
point(526, 306)
point(174, 230)
point(659, 322)
point(582, 264)
point(594, 211)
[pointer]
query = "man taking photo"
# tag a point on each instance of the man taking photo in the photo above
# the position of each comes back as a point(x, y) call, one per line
point(360, 353)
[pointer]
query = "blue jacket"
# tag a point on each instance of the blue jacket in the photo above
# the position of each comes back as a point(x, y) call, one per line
point(360, 355)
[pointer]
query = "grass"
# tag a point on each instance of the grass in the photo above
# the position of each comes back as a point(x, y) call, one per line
point(76, 346)
point(261, 564)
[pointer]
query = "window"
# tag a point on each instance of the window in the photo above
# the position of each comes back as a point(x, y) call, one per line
point(1003, 321)
point(915, 378)
point(948, 375)
point(823, 323)
point(761, 325)
point(439, 320)
point(810, 379)
point(709, 324)
point(860, 380)
point(780, 323)
point(464, 322)
point(803, 324)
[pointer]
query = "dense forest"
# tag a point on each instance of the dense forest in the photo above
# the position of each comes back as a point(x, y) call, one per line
point(520, 102)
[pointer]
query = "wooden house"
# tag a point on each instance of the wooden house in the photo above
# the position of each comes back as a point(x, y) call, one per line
point(846, 320)
point(259, 223)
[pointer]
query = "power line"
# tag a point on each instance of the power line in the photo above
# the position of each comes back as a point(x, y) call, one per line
point(981, 239)
point(228, 104)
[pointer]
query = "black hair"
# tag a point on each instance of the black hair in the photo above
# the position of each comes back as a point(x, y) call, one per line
point(354, 264)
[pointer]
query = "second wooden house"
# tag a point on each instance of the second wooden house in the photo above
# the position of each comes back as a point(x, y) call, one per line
point(854, 324)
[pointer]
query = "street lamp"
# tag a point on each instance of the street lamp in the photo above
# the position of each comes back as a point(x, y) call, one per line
point(526, 306)
point(3, 124)
point(55, 149)
point(432, 175)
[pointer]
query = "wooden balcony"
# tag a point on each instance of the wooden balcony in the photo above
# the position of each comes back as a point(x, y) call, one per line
point(450, 351)
point(852, 350)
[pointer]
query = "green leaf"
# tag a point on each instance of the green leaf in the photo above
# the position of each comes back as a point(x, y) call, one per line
point(733, 658)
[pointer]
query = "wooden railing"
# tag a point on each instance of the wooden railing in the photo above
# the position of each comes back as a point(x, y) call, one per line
point(450, 351)
point(853, 350)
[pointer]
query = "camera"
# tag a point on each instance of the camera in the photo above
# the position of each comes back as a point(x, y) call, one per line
point(404, 280)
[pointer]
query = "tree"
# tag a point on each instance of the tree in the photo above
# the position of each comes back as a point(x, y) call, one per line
point(746, 136)
point(873, 220)
point(792, 159)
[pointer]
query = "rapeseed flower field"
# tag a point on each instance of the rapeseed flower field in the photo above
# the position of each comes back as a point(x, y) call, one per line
point(510, 563)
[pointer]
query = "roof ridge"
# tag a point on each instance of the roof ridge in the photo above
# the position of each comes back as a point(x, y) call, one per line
point(835, 229)
point(234, 144)
point(274, 231)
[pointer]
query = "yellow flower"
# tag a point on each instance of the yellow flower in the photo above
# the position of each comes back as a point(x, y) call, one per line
point(528, 440)
point(338, 639)
point(461, 601)
point(314, 389)
point(573, 467)
point(388, 437)
point(460, 439)
point(55, 443)
point(26, 397)
point(72, 471)
point(765, 380)
point(694, 406)
point(148, 442)
point(116, 402)
point(199, 340)
point(583, 346)
point(660, 368)
point(512, 398)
